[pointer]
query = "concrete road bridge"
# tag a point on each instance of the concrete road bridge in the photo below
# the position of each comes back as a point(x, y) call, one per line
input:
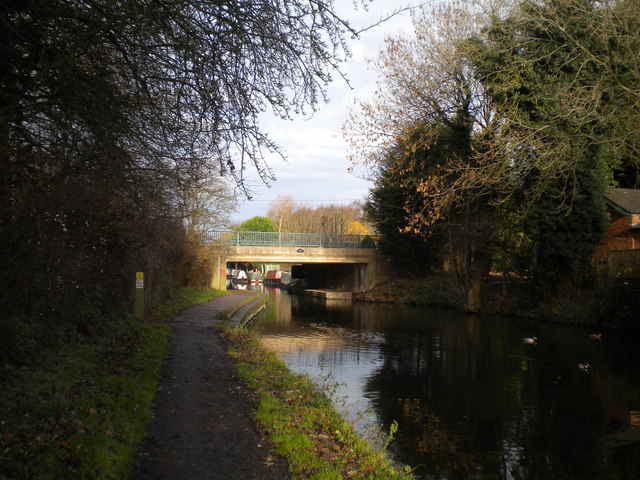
point(323, 261)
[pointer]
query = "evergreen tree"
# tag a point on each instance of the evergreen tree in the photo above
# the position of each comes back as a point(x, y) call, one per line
point(411, 254)
point(565, 237)
point(557, 115)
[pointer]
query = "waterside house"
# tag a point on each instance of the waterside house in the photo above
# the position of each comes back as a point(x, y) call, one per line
point(620, 250)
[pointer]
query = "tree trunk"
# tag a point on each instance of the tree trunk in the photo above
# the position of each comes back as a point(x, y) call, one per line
point(474, 296)
point(480, 266)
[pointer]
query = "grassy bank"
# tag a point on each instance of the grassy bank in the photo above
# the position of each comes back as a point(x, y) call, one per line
point(301, 422)
point(80, 411)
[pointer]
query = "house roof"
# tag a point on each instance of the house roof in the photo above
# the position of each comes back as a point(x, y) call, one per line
point(624, 200)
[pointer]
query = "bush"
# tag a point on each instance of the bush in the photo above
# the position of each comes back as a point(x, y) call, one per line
point(618, 300)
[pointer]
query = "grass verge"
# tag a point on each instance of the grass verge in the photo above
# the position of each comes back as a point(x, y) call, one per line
point(81, 411)
point(301, 422)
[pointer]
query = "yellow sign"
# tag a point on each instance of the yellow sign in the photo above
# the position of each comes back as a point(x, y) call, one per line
point(139, 275)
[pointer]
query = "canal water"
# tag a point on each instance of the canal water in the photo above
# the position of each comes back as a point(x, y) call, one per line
point(472, 400)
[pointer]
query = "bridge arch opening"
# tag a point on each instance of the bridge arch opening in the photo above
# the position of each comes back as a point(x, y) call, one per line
point(334, 276)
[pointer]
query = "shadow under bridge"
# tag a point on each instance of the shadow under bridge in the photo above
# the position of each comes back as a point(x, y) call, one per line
point(341, 262)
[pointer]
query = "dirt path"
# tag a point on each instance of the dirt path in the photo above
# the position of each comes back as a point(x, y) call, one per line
point(202, 426)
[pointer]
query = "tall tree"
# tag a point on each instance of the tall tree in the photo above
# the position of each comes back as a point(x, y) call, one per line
point(110, 110)
point(207, 205)
point(565, 76)
point(564, 133)
point(544, 98)
point(281, 212)
point(414, 253)
point(430, 97)
point(173, 84)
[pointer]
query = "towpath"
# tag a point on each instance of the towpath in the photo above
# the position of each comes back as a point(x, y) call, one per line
point(202, 426)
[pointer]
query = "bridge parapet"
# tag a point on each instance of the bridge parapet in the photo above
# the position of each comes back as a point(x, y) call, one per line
point(286, 239)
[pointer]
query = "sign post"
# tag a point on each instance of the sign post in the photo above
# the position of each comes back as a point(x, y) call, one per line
point(138, 308)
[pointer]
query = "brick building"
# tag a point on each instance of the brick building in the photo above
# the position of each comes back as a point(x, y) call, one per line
point(620, 250)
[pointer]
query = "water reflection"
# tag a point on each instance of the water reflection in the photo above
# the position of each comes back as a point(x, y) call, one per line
point(471, 399)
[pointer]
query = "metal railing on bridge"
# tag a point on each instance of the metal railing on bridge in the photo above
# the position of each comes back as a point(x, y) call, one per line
point(285, 239)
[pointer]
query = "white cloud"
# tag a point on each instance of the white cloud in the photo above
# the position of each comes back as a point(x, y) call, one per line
point(316, 171)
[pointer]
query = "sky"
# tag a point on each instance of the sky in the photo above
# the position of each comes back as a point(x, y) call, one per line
point(317, 168)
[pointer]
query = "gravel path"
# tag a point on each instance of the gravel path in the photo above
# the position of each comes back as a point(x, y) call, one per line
point(202, 426)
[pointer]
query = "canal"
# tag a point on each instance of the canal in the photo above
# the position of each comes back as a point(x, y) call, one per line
point(472, 400)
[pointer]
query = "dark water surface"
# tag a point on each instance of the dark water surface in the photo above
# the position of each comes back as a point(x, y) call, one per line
point(471, 399)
